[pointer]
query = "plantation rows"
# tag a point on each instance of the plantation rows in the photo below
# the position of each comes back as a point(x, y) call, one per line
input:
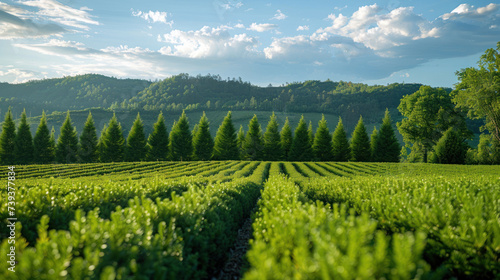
point(179, 220)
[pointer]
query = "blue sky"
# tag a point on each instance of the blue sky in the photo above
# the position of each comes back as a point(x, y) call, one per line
point(260, 41)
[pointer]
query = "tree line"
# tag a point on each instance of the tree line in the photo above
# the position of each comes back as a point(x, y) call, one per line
point(183, 144)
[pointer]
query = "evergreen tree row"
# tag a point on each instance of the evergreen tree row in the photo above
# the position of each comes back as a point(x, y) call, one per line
point(182, 144)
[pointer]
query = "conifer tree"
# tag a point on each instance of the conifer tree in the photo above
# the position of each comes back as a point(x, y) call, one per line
point(88, 141)
point(272, 145)
point(301, 149)
point(67, 143)
point(23, 146)
point(240, 139)
point(253, 147)
point(52, 145)
point(203, 144)
point(135, 149)
point(158, 140)
point(451, 148)
point(310, 133)
point(226, 147)
point(373, 143)
point(181, 145)
point(322, 144)
point(360, 143)
point(7, 140)
point(113, 142)
point(42, 151)
point(340, 145)
point(100, 144)
point(387, 146)
point(286, 139)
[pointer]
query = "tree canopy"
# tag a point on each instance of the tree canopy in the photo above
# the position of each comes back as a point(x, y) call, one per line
point(225, 146)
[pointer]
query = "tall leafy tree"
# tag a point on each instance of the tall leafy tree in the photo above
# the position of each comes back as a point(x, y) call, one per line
point(286, 138)
point(478, 90)
point(88, 141)
point(181, 140)
point(67, 143)
point(360, 143)
point(226, 147)
point(253, 147)
point(373, 145)
point(23, 146)
point(272, 145)
point(427, 114)
point(42, 151)
point(203, 144)
point(340, 145)
point(495, 150)
point(240, 139)
point(113, 142)
point(158, 140)
point(7, 139)
point(301, 149)
point(135, 149)
point(451, 148)
point(322, 144)
point(387, 146)
point(483, 155)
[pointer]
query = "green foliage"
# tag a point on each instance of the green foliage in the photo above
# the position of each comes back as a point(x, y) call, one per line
point(158, 141)
point(483, 155)
point(451, 148)
point(88, 141)
point(495, 151)
point(7, 139)
point(67, 143)
point(23, 146)
point(135, 149)
point(310, 133)
point(322, 144)
point(253, 146)
point(340, 145)
point(373, 144)
point(100, 144)
point(272, 140)
point(477, 90)
point(226, 146)
point(240, 139)
point(113, 142)
point(360, 143)
point(301, 149)
point(286, 139)
point(387, 148)
point(43, 151)
point(181, 140)
point(203, 143)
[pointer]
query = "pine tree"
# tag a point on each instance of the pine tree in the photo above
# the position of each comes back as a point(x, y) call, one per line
point(158, 141)
point(310, 133)
point(301, 149)
point(373, 143)
point(7, 140)
point(23, 146)
point(52, 144)
point(272, 145)
point(135, 149)
point(451, 148)
point(88, 141)
point(360, 143)
point(286, 139)
point(340, 145)
point(322, 144)
point(100, 144)
point(67, 143)
point(181, 145)
point(203, 144)
point(253, 147)
point(388, 148)
point(113, 142)
point(240, 139)
point(42, 151)
point(226, 147)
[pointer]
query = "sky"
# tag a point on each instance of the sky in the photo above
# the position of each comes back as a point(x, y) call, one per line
point(263, 42)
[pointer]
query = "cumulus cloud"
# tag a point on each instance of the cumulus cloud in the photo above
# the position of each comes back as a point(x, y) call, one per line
point(303, 28)
point(15, 75)
point(279, 15)
point(262, 27)
point(153, 17)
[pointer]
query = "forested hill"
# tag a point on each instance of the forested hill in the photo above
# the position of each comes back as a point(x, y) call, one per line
point(202, 93)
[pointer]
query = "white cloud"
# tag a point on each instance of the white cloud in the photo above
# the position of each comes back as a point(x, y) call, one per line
point(303, 28)
point(239, 25)
point(262, 27)
point(153, 17)
point(12, 26)
point(466, 10)
point(15, 75)
point(279, 15)
point(231, 5)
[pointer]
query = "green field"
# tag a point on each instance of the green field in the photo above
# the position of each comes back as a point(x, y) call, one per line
point(310, 220)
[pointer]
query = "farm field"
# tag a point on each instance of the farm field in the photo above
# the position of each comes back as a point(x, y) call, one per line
point(310, 220)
